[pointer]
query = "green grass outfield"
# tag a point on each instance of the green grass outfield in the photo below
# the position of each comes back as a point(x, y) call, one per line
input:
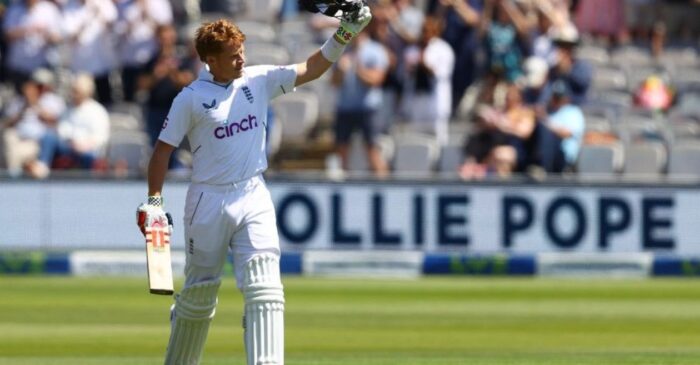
point(440, 321)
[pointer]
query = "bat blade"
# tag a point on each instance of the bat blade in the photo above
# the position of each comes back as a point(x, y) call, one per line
point(160, 272)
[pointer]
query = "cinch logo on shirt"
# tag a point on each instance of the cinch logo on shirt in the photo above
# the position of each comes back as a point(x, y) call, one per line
point(231, 129)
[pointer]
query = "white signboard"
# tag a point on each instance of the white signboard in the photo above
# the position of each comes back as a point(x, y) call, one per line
point(423, 217)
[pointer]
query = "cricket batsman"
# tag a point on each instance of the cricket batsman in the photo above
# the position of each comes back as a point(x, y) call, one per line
point(228, 206)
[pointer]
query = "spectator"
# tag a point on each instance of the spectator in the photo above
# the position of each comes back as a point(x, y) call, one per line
point(359, 75)
point(399, 28)
point(577, 74)
point(502, 144)
point(657, 41)
point(567, 122)
point(87, 24)
point(394, 45)
point(405, 21)
point(167, 74)
point(604, 18)
point(136, 28)
point(31, 28)
point(506, 33)
point(462, 19)
point(29, 118)
point(542, 46)
point(640, 16)
point(82, 133)
point(289, 9)
point(428, 97)
point(681, 18)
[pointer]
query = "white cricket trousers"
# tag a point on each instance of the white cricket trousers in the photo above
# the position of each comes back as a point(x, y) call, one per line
point(238, 216)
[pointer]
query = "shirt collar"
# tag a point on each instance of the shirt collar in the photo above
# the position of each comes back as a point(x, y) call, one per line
point(205, 75)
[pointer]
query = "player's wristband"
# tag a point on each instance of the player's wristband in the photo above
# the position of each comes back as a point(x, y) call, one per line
point(332, 49)
point(155, 200)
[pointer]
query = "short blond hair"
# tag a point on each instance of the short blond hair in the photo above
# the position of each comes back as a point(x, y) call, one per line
point(210, 38)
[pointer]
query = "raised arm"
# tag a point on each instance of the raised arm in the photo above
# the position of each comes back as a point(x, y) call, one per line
point(312, 68)
point(330, 52)
point(469, 15)
point(522, 26)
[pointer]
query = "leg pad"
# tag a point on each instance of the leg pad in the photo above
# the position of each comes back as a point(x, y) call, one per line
point(194, 308)
point(264, 311)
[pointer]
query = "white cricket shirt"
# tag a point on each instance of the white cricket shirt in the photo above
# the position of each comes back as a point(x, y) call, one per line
point(225, 124)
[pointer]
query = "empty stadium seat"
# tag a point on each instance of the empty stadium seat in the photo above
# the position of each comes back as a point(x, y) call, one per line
point(597, 123)
point(600, 160)
point(687, 130)
point(609, 78)
point(130, 148)
point(631, 56)
point(647, 159)
point(593, 54)
point(679, 57)
point(601, 109)
point(684, 160)
point(326, 94)
point(640, 124)
point(256, 32)
point(266, 54)
point(298, 112)
point(275, 137)
point(451, 158)
point(298, 39)
point(687, 78)
point(689, 103)
point(358, 160)
point(133, 109)
point(126, 122)
point(415, 155)
point(622, 99)
point(262, 10)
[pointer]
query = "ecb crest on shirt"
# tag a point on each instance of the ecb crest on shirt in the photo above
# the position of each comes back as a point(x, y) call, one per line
point(248, 94)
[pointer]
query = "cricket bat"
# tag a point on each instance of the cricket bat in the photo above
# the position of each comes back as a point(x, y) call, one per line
point(160, 272)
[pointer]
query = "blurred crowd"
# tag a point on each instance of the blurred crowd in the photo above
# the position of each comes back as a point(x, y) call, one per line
point(504, 80)
point(521, 75)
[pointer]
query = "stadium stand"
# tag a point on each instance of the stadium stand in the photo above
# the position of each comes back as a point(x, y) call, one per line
point(278, 33)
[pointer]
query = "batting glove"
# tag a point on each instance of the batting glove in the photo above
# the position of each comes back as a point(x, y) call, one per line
point(352, 24)
point(151, 214)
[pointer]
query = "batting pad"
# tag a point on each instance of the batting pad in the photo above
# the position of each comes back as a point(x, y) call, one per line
point(264, 311)
point(194, 308)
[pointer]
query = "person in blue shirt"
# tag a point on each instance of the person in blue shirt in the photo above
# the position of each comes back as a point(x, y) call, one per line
point(554, 143)
point(567, 121)
point(359, 75)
